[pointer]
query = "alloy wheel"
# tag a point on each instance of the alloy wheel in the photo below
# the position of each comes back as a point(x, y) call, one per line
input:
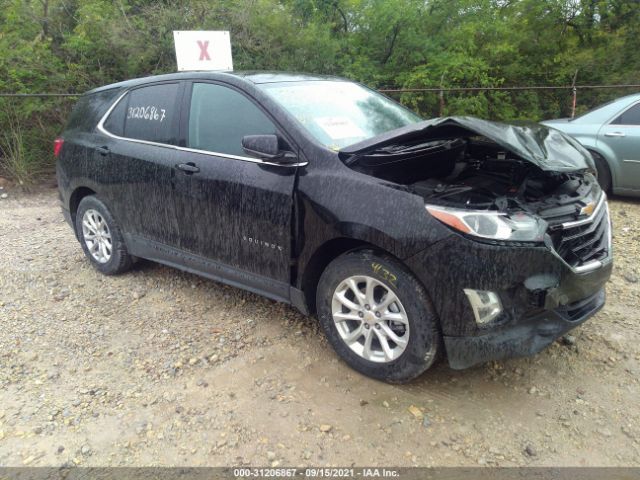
point(370, 319)
point(97, 236)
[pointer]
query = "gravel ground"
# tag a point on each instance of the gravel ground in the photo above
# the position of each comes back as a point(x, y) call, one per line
point(160, 367)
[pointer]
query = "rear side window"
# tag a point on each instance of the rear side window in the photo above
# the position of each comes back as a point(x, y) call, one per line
point(630, 117)
point(147, 113)
point(219, 117)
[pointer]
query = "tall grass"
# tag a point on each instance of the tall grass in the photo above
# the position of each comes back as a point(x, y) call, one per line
point(14, 163)
point(27, 130)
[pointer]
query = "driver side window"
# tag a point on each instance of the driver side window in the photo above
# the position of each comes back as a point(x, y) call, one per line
point(219, 117)
point(630, 117)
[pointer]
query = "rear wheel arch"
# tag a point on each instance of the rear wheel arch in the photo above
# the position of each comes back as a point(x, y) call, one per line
point(100, 237)
point(75, 199)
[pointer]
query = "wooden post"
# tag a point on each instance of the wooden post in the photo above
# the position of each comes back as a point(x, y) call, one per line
point(575, 95)
point(442, 94)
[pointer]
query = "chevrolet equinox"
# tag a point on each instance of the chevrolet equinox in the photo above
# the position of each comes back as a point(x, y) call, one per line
point(407, 238)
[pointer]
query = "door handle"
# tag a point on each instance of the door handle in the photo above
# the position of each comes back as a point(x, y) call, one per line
point(103, 150)
point(188, 168)
point(615, 134)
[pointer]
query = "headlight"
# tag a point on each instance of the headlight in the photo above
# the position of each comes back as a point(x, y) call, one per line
point(519, 226)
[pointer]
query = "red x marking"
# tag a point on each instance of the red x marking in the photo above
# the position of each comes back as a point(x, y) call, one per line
point(204, 55)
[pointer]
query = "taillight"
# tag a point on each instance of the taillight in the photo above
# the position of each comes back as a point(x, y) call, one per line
point(57, 146)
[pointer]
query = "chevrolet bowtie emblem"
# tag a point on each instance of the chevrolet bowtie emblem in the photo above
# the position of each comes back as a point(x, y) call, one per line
point(588, 209)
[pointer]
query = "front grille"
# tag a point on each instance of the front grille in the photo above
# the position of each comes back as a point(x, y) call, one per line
point(579, 243)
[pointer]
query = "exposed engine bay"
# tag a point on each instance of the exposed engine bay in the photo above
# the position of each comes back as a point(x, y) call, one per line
point(478, 174)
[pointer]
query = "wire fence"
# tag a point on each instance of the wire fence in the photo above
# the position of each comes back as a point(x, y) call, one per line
point(476, 89)
point(36, 95)
point(404, 90)
point(571, 90)
point(441, 92)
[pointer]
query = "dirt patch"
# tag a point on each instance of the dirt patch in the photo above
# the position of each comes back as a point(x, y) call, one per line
point(160, 367)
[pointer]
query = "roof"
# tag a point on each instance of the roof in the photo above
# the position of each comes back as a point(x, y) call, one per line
point(256, 77)
point(632, 97)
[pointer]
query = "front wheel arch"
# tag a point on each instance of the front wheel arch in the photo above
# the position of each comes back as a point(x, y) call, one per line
point(325, 254)
point(605, 176)
point(320, 259)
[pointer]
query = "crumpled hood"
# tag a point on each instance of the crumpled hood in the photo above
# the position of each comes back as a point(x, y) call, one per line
point(543, 146)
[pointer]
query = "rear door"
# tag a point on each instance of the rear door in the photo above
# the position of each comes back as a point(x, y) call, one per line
point(622, 136)
point(140, 134)
point(235, 209)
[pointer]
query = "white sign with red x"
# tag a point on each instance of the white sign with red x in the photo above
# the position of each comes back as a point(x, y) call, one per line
point(203, 50)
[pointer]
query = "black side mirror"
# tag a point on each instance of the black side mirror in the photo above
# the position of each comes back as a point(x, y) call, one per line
point(266, 147)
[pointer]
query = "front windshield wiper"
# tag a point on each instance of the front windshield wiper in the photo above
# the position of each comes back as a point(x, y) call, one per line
point(413, 147)
point(402, 150)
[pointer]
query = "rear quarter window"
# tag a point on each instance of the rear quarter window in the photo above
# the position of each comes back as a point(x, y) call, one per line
point(89, 109)
point(115, 122)
point(146, 113)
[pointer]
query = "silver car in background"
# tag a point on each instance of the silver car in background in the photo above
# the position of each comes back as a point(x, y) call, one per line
point(611, 132)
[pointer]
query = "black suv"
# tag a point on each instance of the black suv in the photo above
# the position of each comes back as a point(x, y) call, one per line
point(405, 236)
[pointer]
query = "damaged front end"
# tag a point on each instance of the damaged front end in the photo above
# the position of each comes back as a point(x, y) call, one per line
point(497, 182)
point(533, 249)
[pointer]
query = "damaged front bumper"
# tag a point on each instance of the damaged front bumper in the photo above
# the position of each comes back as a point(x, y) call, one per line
point(527, 337)
point(541, 296)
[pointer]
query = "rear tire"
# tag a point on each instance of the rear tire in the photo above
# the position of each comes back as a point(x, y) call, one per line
point(604, 174)
point(364, 294)
point(101, 238)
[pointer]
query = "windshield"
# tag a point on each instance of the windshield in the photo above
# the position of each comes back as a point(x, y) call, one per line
point(339, 113)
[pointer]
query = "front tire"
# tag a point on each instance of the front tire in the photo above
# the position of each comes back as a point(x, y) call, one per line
point(101, 238)
point(377, 316)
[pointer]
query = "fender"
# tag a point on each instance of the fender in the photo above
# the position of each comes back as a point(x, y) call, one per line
point(592, 144)
point(324, 214)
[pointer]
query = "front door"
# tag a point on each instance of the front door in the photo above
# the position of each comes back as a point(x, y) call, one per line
point(622, 136)
point(234, 210)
